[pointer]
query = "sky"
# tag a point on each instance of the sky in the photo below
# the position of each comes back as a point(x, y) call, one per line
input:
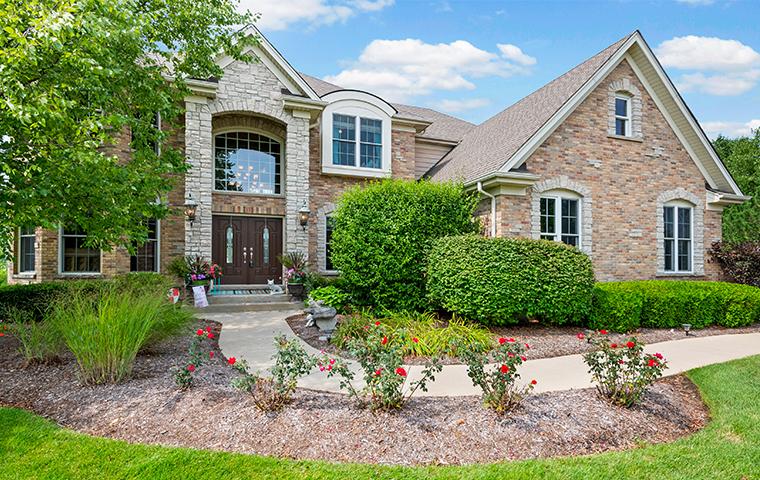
point(472, 59)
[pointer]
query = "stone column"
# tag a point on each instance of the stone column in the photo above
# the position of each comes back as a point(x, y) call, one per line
point(297, 181)
point(199, 179)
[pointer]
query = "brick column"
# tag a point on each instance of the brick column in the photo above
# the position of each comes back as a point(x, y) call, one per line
point(199, 180)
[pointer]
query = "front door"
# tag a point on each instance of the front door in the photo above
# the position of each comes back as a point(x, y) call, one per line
point(247, 249)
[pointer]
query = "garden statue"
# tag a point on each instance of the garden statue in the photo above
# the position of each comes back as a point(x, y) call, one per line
point(324, 317)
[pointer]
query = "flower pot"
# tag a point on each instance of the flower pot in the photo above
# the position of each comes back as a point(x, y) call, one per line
point(296, 289)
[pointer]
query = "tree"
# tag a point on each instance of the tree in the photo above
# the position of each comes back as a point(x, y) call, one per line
point(741, 223)
point(78, 75)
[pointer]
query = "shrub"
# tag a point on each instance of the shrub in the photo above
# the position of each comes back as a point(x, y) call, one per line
point(383, 233)
point(671, 303)
point(498, 382)
point(380, 358)
point(40, 342)
point(332, 296)
point(105, 332)
point(272, 393)
point(496, 281)
point(184, 376)
point(36, 298)
point(622, 372)
point(740, 263)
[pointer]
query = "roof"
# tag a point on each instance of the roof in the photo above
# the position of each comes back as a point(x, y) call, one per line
point(488, 147)
point(442, 126)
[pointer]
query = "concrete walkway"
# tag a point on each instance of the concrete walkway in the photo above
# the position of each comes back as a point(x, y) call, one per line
point(250, 335)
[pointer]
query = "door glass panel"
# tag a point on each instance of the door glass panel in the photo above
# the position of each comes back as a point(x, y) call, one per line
point(266, 244)
point(228, 247)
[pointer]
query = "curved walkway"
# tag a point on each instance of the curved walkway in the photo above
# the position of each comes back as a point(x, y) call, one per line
point(250, 335)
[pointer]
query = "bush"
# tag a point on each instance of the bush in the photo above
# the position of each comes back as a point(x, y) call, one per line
point(740, 263)
point(671, 303)
point(36, 298)
point(332, 296)
point(496, 281)
point(622, 372)
point(184, 376)
point(40, 342)
point(383, 233)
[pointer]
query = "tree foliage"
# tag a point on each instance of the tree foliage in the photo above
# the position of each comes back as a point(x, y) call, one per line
point(741, 223)
point(77, 75)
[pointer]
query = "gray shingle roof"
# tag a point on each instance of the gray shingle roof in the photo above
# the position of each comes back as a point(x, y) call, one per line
point(487, 147)
point(442, 127)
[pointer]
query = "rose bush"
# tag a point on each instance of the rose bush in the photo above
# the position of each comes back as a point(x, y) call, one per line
point(184, 376)
point(623, 372)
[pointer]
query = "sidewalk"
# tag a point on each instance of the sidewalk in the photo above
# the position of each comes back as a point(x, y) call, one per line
point(250, 335)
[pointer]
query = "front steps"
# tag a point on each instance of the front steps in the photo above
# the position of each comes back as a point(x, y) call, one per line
point(236, 298)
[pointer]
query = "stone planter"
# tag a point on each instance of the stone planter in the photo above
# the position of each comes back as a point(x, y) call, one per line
point(296, 289)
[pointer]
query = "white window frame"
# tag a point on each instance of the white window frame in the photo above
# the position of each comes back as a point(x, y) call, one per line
point(626, 117)
point(61, 262)
point(557, 235)
point(20, 261)
point(676, 205)
point(158, 251)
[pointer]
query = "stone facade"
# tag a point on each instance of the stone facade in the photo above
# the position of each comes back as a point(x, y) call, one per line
point(628, 180)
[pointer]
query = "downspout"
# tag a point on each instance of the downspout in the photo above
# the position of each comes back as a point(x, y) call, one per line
point(493, 208)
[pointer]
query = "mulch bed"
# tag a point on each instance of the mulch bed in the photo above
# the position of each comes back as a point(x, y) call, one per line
point(544, 341)
point(444, 430)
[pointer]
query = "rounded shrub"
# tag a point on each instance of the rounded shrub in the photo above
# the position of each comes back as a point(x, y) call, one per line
point(496, 281)
point(383, 232)
point(615, 308)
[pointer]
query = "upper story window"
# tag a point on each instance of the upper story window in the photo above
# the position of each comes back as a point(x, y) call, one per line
point(622, 115)
point(560, 219)
point(146, 257)
point(247, 162)
point(75, 256)
point(369, 153)
point(677, 237)
point(26, 255)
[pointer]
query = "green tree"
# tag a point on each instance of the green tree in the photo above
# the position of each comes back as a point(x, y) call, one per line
point(741, 223)
point(78, 75)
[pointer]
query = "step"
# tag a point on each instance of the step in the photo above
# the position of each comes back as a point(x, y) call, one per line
point(250, 307)
point(259, 298)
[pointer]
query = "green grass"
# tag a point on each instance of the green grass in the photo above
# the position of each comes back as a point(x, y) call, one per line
point(728, 448)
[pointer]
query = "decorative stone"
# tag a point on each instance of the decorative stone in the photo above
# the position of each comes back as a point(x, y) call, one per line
point(324, 317)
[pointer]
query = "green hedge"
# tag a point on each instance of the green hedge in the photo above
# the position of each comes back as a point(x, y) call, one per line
point(625, 306)
point(497, 281)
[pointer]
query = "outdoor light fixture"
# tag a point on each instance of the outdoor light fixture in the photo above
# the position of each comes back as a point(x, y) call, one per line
point(303, 216)
point(190, 207)
point(686, 328)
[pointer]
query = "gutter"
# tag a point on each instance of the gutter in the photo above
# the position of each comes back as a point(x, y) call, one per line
point(493, 208)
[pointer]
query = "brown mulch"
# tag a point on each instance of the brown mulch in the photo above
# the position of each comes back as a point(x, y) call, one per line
point(544, 341)
point(443, 430)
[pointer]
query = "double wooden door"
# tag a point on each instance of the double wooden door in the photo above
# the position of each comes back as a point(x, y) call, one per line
point(247, 249)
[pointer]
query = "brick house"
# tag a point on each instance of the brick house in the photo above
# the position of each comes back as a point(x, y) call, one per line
point(607, 157)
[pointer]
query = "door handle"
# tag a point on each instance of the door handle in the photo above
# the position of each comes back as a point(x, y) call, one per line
point(250, 257)
point(245, 255)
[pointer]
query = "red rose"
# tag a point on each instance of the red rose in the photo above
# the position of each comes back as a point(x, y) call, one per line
point(581, 336)
point(329, 367)
point(658, 355)
point(191, 368)
point(511, 355)
point(377, 324)
point(366, 327)
point(2, 334)
point(208, 329)
point(511, 340)
point(523, 358)
point(415, 340)
point(533, 382)
point(210, 354)
point(199, 332)
point(231, 360)
point(630, 344)
point(652, 362)
point(210, 335)
point(621, 362)
point(527, 347)
point(378, 372)
point(603, 332)
point(384, 340)
point(504, 369)
point(401, 372)
point(502, 341)
point(613, 345)
point(332, 361)
point(321, 368)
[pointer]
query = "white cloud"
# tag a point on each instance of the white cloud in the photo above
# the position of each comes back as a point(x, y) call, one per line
point(455, 106)
point(706, 53)
point(513, 52)
point(721, 85)
point(730, 129)
point(401, 69)
point(281, 14)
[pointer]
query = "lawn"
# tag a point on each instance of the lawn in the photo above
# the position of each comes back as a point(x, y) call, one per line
point(31, 447)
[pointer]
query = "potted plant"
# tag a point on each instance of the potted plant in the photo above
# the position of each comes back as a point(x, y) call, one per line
point(295, 274)
point(200, 273)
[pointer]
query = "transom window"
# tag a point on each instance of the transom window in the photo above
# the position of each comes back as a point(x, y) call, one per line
point(247, 162)
point(26, 257)
point(560, 220)
point(368, 153)
point(75, 257)
point(677, 238)
point(146, 256)
point(622, 116)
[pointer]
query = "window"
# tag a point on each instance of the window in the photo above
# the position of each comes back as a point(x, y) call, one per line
point(155, 123)
point(26, 240)
point(329, 225)
point(75, 257)
point(622, 116)
point(562, 225)
point(677, 238)
point(370, 140)
point(247, 162)
point(146, 256)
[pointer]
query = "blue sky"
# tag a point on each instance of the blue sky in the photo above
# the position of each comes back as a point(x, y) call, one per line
point(474, 58)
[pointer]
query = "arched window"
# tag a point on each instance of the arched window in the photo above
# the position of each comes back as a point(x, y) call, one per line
point(247, 162)
point(625, 113)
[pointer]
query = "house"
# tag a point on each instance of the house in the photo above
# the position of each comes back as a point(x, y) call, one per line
point(607, 158)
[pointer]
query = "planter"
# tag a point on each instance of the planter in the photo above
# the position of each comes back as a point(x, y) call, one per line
point(296, 289)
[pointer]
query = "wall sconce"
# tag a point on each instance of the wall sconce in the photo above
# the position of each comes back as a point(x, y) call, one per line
point(303, 216)
point(190, 208)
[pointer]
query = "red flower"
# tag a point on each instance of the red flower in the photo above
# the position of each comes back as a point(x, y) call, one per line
point(527, 347)
point(199, 332)
point(603, 332)
point(511, 340)
point(621, 362)
point(504, 369)
point(384, 340)
point(533, 382)
point(191, 368)
point(630, 344)
point(652, 362)
point(401, 372)
point(210, 335)
point(210, 354)
point(208, 329)
point(378, 372)
point(2, 334)
point(502, 341)
point(329, 367)
point(231, 360)
point(523, 358)
point(415, 340)
point(377, 324)
point(511, 355)
point(613, 345)
point(321, 368)
point(581, 336)
point(366, 327)
point(658, 355)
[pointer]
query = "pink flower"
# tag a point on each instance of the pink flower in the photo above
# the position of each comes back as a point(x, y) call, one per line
point(321, 368)
point(581, 336)
point(401, 372)
point(191, 368)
